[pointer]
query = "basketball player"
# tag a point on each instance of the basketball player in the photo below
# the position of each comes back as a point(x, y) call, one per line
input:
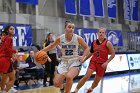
point(99, 51)
point(70, 65)
point(6, 64)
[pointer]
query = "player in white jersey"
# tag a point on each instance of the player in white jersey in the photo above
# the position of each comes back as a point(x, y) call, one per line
point(69, 54)
point(69, 66)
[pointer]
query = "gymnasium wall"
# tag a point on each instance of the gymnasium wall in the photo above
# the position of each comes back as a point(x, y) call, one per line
point(49, 16)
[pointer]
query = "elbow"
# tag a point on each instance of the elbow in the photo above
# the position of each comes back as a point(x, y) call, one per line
point(113, 55)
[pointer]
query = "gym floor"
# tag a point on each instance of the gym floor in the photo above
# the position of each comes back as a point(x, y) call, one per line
point(118, 83)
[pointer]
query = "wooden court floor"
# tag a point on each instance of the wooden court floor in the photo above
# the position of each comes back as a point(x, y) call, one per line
point(50, 89)
point(56, 90)
point(124, 83)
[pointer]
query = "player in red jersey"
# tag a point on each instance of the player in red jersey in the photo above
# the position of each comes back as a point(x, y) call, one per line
point(6, 56)
point(99, 51)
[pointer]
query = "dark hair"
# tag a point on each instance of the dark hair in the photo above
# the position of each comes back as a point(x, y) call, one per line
point(49, 35)
point(6, 29)
point(47, 40)
point(68, 21)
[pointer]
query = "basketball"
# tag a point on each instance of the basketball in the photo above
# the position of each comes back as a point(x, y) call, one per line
point(41, 57)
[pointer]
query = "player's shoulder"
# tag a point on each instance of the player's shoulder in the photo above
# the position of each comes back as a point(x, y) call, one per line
point(108, 43)
point(6, 37)
point(61, 36)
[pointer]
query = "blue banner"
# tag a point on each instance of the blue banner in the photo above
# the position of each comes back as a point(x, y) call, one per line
point(34, 2)
point(127, 9)
point(111, 4)
point(70, 7)
point(91, 34)
point(115, 37)
point(22, 36)
point(88, 34)
point(135, 10)
point(98, 8)
point(85, 7)
point(133, 61)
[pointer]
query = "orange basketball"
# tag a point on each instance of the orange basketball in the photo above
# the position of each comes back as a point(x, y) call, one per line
point(41, 57)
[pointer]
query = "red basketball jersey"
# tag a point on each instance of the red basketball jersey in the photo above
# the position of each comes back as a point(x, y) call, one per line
point(6, 48)
point(101, 52)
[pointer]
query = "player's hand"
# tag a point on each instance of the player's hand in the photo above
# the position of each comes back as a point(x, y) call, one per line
point(16, 51)
point(104, 65)
point(14, 56)
point(49, 59)
point(82, 59)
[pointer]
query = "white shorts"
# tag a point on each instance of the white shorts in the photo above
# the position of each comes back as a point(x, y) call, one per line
point(65, 65)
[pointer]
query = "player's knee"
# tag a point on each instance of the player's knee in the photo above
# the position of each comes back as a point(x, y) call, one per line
point(12, 79)
point(69, 78)
point(86, 77)
point(56, 84)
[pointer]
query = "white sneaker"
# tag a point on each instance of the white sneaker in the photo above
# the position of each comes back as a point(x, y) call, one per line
point(40, 82)
point(13, 90)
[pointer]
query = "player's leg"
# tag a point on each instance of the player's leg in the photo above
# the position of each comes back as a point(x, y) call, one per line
point(4, 65)
point(72, 73)
point(3, 80)
point(58, 80)
point(95, 83)
point(11, 76)
point(84, 79)
point(99, 74)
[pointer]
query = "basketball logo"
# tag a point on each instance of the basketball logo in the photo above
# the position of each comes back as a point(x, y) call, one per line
point(41, 57)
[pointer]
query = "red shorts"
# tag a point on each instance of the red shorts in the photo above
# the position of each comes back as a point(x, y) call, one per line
point(100, 71)
point(6, 65)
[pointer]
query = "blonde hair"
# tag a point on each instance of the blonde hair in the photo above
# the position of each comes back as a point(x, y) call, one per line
point(102, 28)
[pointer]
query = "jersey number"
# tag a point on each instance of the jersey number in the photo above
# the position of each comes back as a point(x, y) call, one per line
point(68, 52)
point(97, 54)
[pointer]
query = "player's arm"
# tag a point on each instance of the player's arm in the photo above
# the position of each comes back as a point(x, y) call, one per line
point(59, 47)
point(53, 45)
point(84, 45)
point(49, 59)
point(7, 44)
point(90, 53)
point(111, 51)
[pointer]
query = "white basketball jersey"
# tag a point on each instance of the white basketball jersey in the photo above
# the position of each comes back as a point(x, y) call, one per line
point(69, 49)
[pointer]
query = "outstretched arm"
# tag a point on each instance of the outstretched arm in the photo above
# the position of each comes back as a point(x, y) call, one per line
point(53, 45)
